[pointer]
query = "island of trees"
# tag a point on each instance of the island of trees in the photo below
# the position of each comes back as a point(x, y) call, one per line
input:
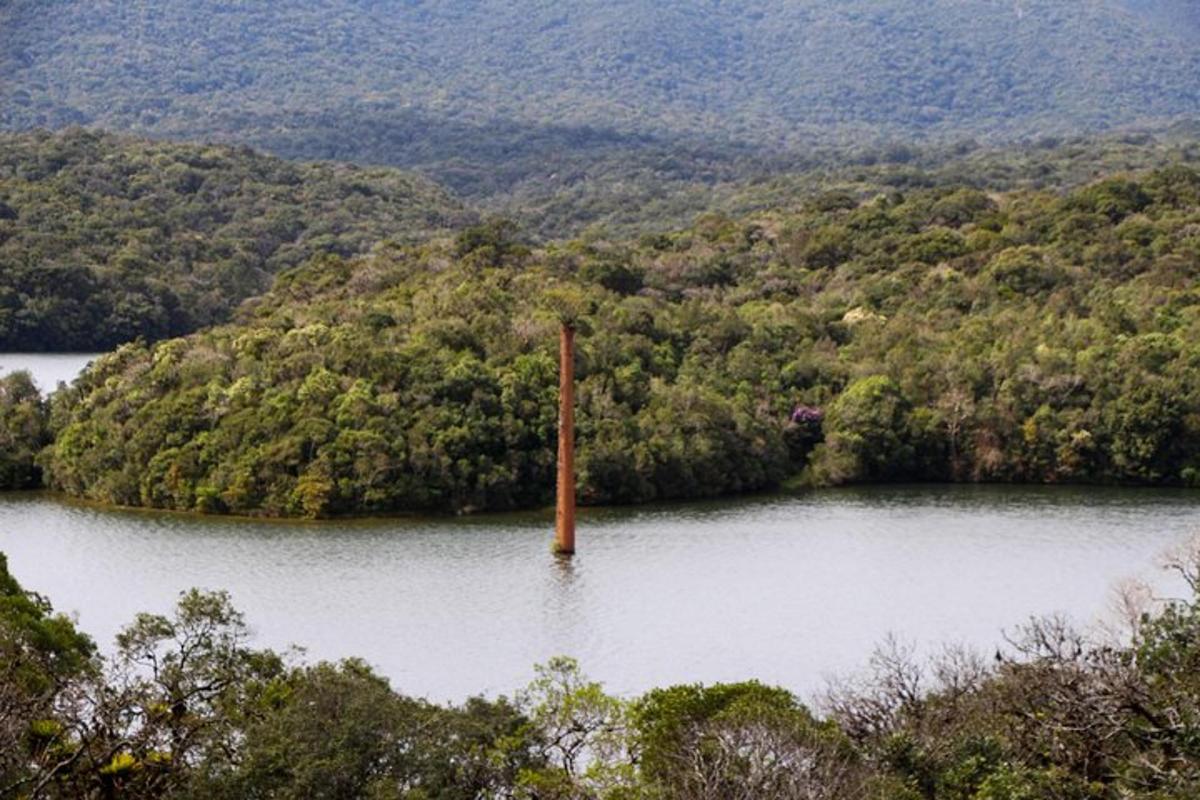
point(942, 334)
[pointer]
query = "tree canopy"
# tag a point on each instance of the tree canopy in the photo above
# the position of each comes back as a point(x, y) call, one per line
point(942, 334)
point(583, 112)
point(105, 239)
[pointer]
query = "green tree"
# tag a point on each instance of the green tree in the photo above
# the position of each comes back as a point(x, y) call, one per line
point(867, 433)
point(42, 656)
point(582, 732)
point(739, 740)
point(23, 431)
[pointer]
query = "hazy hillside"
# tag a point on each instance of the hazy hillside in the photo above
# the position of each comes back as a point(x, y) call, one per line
point(104, 238)
point(485, 95)
point(641, 195)
point(1181, 15)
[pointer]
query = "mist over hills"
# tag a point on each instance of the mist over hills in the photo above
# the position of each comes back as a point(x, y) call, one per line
point(488, 95)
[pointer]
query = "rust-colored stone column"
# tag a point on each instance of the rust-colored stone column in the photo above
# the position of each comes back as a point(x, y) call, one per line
point(564, 541)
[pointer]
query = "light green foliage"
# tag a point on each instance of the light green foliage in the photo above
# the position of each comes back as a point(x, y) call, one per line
point(582, 732)
point(868, 433)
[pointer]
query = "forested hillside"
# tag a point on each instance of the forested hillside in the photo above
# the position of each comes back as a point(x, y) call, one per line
point(104, 239)
point(652, 200)
point(943, 334)
point(487, 96)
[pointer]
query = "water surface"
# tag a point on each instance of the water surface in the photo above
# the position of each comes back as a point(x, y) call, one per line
point(47, 369)
point(789, 590)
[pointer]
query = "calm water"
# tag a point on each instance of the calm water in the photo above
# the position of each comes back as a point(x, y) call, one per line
point(48, 369)
point(788, 590)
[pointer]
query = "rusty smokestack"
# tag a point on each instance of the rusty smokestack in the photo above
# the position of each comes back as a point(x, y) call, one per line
point(564, 541)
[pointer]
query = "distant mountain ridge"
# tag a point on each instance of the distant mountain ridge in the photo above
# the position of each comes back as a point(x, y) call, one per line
point(483, 94)
point(1179, 15)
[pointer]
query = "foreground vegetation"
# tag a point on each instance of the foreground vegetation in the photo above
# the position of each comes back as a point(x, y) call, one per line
point(105, 239)
point(185, 708)
point(944, 334)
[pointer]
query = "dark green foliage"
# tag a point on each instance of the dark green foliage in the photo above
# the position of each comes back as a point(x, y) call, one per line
point(946, 335)
point(41, 654)
point(39, 647)
point(104, 239)
point(339, 731)
point(24, 431)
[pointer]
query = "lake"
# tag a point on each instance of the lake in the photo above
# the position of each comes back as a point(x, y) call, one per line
point(47, 369)
point(788, 589)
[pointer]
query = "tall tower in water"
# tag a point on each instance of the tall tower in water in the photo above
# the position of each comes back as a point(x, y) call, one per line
point(564, 541)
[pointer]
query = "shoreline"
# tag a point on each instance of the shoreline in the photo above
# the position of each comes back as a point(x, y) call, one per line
point(546, 513)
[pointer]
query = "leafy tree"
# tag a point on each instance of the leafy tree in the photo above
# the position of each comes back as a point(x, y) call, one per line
point(41, 656)
point(868, 432)
point(739, 740)
point(582, 732)
point(24, 431)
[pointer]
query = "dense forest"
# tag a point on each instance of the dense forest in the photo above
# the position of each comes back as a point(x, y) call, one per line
point(105, 239)
point(186, 708)
point(496, 99)
point(625, 192)
point(794, 68)
point(936, 334)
